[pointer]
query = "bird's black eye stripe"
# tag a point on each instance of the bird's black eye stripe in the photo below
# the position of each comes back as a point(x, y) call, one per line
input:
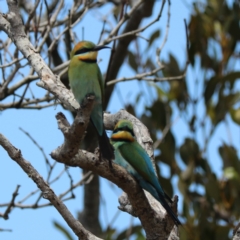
point(82, 50)
point(125, 128)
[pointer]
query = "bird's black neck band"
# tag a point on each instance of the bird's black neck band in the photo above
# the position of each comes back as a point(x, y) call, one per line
point(124, 128)
point(120, 140)
point(89, 60)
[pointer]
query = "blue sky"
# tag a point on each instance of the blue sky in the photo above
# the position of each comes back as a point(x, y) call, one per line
point(37, 224)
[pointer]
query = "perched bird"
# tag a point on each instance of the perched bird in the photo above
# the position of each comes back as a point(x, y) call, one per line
point(130, 155)
point(86, 79)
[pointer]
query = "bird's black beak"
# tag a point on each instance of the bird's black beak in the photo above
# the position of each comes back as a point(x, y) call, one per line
point(97, 48)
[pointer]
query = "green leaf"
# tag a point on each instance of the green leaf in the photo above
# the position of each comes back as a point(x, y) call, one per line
point(189, 151)
point(213, 83)
point(154, 36)
point(235, 114)
point(168, 150)
point(158, 114)
point(212, 188)
point(229, 156)
point(230, 173)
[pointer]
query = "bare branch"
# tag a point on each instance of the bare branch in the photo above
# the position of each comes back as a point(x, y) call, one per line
point(49, 27)
point(38, 146)
point(141, 76)
point(11, 63)
point(48, 193)
point(111, 36)
point(125, 17)
point(75, 133)
point(27, 104)
point(5, 230)
point(56, 39)
point(120, 177)
point(236, 232)
point(159, 50)
point(85, 180)
point(11, 204)
point(15, 31)
point(32, 13)
point(152, 222)
point(69, 152)
point(61, 67)
point(24, 81)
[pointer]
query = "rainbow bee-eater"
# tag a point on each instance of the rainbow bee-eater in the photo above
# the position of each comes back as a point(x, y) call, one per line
point(86, 79)
point(130, 155)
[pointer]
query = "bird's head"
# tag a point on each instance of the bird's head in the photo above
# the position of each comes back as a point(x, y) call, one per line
point(86, 51)
point(123, 131)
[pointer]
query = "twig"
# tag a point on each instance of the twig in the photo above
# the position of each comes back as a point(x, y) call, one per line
point(111, 36)
point(158, 51)
point(11, 204)
point(66, 29)
point(126, 16)
point(11, 63)
point(114, 46)
point(19, 204)
point(48, 193)
point(140, 76)
point(27, 104)
point(49, 27)
point(60, 67)
point(5, 230)
point(80, 183)
point(32, 14)
point(37, 145)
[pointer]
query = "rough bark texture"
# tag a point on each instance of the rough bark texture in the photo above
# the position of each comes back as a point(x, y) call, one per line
point(153, 217)
point(236, 232)
point(155, 222)
point(47, 193)
point(119, 54)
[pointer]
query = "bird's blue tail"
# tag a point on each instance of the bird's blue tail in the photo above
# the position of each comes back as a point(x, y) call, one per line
point(169, 211)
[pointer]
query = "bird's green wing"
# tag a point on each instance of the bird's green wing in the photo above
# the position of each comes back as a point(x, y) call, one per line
point(101, 83)
point(85, 79)
point(135, 155)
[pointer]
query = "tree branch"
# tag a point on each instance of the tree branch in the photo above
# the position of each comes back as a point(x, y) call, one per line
point(119, 54)
point(75, 133)
point(13, 27)
point(47, 192)
point(151, 214)
point(11, 204)
point(236, 232)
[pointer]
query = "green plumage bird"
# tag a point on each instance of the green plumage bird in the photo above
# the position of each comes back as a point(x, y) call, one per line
point(130, 155)
point(86, 79)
